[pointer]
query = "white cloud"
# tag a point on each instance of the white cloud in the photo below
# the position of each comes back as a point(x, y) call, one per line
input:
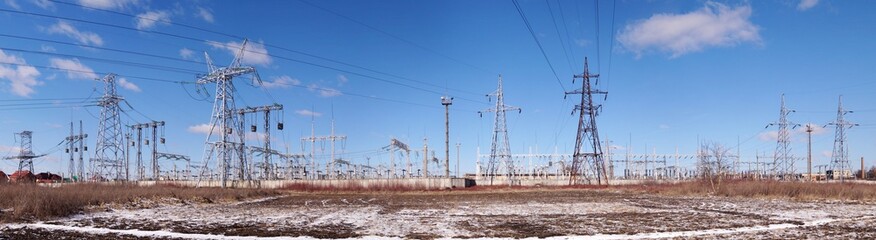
point(124, 83)
point(308, 113)
point(663, 126)
point(186, 53)
point(714, 25)
point(342, 80)
point(769, 136)
point(108, 4)
point(826, 154)
point(22, 78)
point(74, 68)
point(13, 4)
point(582, 42)
point(88, 38)
point(281, 82)
point(806, 4)
point(152, 18)
point(201, 128)
point(323, 91)
point(816, 129)
point(44, 4)
point(47, 48)
point(205, 14)
point(255, 52)
point(12, 150)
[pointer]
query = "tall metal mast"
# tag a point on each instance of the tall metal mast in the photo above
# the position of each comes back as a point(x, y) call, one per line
point(587, 131)
point(839, 162)
point(500, 150)
point(107, 163)
point(446, 101)
point(226, 137)
point(783, 160)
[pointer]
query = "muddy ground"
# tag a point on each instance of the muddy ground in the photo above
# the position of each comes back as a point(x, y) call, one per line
point(577, 213)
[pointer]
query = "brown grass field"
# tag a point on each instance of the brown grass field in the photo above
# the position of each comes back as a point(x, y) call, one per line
point(20, 202)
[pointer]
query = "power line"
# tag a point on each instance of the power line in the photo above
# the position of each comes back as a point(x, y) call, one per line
point(393, 36)
point(531, 32)
point(559, 37)
point(111, 61)
point(611, 45)
point(276, 46)
point(100, 48)
point(249, 51)
point(98, 73)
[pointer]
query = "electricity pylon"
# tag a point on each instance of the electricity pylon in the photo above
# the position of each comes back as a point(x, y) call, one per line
point(587, 131)
point(839, 162)
point(109, 157)
point(25, 154)
point(226, 138)
point(76, 144)
point(783, 160)
point(500, 149)
point(267, 166)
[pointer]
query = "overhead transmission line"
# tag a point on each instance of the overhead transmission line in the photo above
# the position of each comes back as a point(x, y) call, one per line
point(184, 82)
point(101, 48)
point(111, 61)
point(249, 51)
point(98, 73)
point(534, 37)
point(277, 46)
point(559, 36)
point(394, 36)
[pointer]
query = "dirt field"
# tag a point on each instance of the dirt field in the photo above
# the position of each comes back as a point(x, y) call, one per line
point(561, 213)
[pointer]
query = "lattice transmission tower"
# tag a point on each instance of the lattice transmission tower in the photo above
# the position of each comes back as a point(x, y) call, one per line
point(226, 138)
point(108, 162)
point(839, 163)
point(25, 153)
point(783, 159)
point(592, 158)
point(500, 149)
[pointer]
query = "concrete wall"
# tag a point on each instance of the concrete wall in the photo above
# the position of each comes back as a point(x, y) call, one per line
point(405, 183)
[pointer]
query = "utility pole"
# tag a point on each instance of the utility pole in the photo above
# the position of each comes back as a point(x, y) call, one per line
point(425, 157)
point(446, 101)
point(783, 160)
point(458, 174)
point(230, 142)
point(809, 151)
point(587, 131)
point(862, 168)
point(500, 149)
point(839, 163)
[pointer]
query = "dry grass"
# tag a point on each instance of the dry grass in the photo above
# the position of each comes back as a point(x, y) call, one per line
point(352, 186)
point(769, 189)
point(29, 201)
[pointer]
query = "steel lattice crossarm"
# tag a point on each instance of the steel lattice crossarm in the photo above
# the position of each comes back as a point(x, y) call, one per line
point(171, 156)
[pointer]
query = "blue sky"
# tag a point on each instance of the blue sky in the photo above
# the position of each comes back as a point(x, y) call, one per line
point(676, 71)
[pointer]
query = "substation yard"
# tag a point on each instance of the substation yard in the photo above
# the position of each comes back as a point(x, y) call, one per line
point(527, 213)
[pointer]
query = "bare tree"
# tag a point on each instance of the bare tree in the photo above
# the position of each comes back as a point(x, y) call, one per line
point(713, 163)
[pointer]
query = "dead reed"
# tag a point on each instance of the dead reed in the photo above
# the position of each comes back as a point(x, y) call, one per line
point(770, 189)
point(29, 201)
